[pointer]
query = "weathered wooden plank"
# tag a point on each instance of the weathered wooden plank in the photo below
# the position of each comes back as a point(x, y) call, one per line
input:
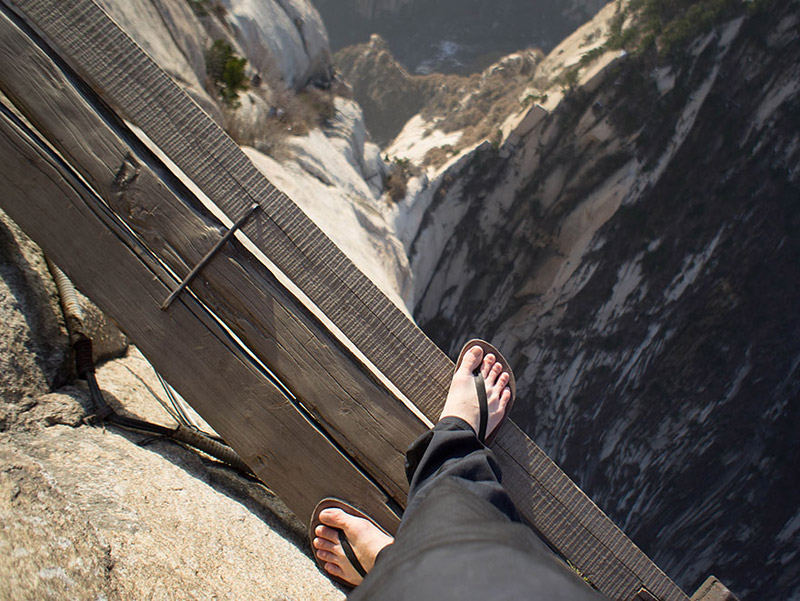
point(713, 590)
point(364, 418)
point(127, 79)
point(285, 449)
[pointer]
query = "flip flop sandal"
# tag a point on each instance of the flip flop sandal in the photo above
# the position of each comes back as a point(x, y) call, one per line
point(481, 388)
point(328, 503)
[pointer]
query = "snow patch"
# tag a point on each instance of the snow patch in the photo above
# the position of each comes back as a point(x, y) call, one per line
point(612, 438)
point(692, 266)
point(416, 139)
point(741, 374)
point(665, 79)
point(633, 364)
point(629, 278)
point(790, 529)
point(774, 99)
point(569, 380)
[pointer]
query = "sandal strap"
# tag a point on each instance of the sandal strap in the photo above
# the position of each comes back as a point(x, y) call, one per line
point(483, 405)
point(350, 554)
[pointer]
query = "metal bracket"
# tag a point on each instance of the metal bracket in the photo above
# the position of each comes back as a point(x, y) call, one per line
point(208, 256)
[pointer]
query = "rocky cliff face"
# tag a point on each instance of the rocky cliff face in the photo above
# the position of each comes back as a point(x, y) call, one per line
point(370, 9)
point(632, 244)
point(627, 234)
point(471, 105)
point(90, 513)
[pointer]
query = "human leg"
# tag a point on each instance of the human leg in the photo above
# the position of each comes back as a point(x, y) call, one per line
point(453, 436)
point(461, 537)
point(452, 450)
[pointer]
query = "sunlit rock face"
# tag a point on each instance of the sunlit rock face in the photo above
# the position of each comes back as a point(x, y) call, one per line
point(387, 92)
point(633, 248)
point(392, 97)
point(370, 9)
point(336, 175)
point(285, 46)
point(284, 35)
point(283, 41)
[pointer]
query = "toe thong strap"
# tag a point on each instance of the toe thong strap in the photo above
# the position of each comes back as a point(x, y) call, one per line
point(484, 406)
point(350, 554)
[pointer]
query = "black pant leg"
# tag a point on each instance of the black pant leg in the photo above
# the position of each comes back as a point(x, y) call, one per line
point(452, 450)
point(461, 538)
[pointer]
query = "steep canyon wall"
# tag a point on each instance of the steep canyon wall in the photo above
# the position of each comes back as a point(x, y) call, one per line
point(634, 249)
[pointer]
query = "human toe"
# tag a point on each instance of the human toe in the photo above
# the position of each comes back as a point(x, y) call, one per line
point(335, 570)
point(494, 373)
point(324, 544)
point(471, 360)
point(487, 364)
point(327, 555)
point(333, 517)
point(502, 381)
point(327, 533)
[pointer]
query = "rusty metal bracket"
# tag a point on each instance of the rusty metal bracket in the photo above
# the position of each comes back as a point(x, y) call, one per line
point(208, 256)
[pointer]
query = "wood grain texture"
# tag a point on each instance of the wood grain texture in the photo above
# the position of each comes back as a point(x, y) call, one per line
point(352, 407)
point(60, 214)
point(268, 318)
point(124, 76)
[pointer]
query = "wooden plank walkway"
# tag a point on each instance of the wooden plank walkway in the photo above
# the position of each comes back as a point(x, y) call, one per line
point(282, 345)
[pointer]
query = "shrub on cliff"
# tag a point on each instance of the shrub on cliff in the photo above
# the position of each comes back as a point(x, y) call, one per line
point(670, 24)
point(226, 72)
point(396, 183)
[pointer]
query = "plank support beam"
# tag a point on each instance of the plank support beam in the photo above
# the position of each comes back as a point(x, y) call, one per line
point(207, 257)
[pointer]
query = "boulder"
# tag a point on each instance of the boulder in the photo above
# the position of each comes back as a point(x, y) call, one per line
point(88, 513)
point(34, 346)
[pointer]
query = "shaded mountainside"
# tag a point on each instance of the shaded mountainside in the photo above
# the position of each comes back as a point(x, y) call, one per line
point(454, 36)
point(636, 254)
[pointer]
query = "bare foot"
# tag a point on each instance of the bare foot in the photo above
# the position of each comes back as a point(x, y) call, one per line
point(462, 399)
point(364, 537)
